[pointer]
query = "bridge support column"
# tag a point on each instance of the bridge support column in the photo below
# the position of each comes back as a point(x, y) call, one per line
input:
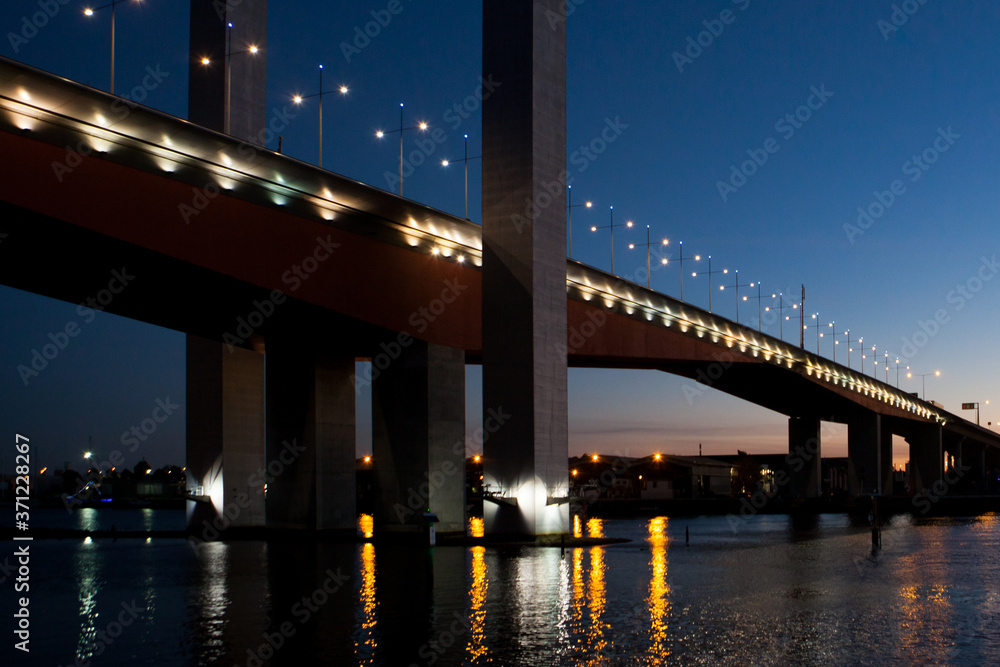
point(804, 462)
point(225, 436)
point(524, 266)
point(310, 438)
point(869, 456)
point(970, 466)
point(926, 458)
point(418, 439)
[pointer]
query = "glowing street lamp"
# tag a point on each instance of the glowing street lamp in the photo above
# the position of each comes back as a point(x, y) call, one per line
point(251, 49)
point(298, 99)
point(806, 327)
point(759, 298)
point(834, 334)
point(780, 296)
point(465, 160)
point(89, 11)
point(380, 134)
point(648, 244)
point(850, 349)
point(923, 381)
point(709, 273)
point(569, 217)
point(736, 287)
point(612, 226)
point(680, 260)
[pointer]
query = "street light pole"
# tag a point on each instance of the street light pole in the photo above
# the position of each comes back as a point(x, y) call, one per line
point(759, 298)
point(923, 381)
point(380, 134)
point(298, 99)
point(648, 244)
point(465, 160)
point(113, 3)
point(737, 287)
point(814, 316)
point(320, 163)
point(89, 11)
point(709, 274)
point(569, 217)
point(229, 58)
point(780, 296)
point(612, 228)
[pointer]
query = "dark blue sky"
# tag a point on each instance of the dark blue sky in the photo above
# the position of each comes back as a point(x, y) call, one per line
point(686, 115)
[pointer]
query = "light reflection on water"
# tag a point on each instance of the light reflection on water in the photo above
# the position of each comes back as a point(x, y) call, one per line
point(774, 592)
point(659, 592)
point(477, 648)
point(365, 647)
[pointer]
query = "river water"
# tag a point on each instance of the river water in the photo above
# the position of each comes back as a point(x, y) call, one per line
point(763, 591)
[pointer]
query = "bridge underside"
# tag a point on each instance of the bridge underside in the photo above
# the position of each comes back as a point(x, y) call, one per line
point(215, 271)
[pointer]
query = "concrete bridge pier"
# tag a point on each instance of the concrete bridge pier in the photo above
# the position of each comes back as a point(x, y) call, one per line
point(926, 458)
point(972, 455)
point(225, 437)
point(418, 437)
point(524, 266)
point(804, 462)
point(869, 455)
point(311, 478)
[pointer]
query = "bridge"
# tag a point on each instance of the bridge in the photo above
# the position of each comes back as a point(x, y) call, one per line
point(258, 256)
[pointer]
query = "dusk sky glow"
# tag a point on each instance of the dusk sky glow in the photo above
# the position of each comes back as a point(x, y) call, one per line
point(850, 147)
